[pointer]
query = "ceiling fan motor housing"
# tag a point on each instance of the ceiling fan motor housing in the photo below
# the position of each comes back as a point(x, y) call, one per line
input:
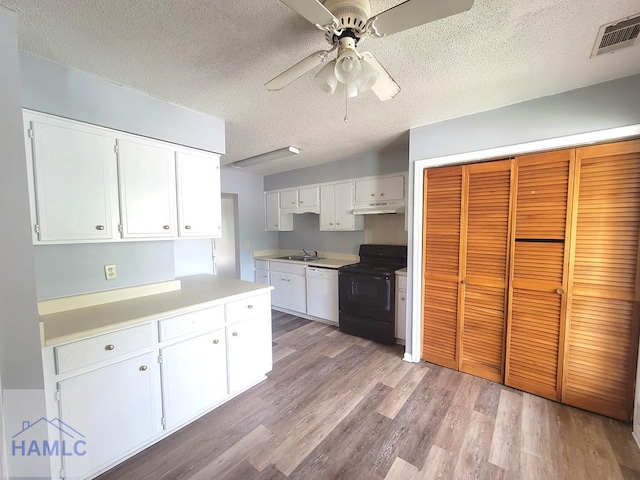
point(352, 14)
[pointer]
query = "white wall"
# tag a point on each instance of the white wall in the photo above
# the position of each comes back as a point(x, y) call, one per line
point(20, 355)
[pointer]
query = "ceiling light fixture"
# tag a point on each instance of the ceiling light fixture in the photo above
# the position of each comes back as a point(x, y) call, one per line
point(349, 74)
point(266, 157)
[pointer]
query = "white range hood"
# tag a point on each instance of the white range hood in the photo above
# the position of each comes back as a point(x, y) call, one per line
point(378, 208)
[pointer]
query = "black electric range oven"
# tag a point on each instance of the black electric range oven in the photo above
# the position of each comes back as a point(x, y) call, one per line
point(367, 292)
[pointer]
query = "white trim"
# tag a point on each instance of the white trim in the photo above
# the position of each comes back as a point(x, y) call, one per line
point(416, 173)
point(4, 473)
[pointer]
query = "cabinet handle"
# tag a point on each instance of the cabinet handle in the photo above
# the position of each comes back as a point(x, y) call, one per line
point(293, 203)
point(301, 201)
point(249, 306)
point(402, 299)
point(216, 341)
point(373, 195)
point(110, 347)
point(330, 223)
point(560, 291)
point(99, 227)
point(187, 227)
point(166, 227)
point(337, 223)
point(276, 225)
point(143, 368)
point(235, 334)
point(464, 282)
point(382, 194)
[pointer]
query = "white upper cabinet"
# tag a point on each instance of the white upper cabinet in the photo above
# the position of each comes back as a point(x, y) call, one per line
point(289, 199)
point(379, 189)
point(275, 220)
point(198, 181)
point(76, 191)
point(147, 180)
point(336, 205)
point(94, 184)
point(302, 200)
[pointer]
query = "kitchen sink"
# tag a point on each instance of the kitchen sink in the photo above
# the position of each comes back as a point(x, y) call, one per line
point(301, 258)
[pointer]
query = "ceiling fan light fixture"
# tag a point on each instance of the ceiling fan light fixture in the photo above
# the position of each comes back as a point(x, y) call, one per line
point(368, 76)
point(326, 79)
point(348, 66)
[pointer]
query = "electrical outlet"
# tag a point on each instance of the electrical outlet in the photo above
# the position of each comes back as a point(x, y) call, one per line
point(246, 245)
point(346, 244)
point(110, 272)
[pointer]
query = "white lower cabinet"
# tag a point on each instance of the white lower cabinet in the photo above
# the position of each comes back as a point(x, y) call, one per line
point(112, 410)
point(116, 390)
point(194, 376)
point(289, 286)
point(248, 351)
point(401, 307)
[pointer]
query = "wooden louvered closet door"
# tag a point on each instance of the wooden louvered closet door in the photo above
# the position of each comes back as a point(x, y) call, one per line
point(603, 310)
point(484, 268)
point(441, 274)
point(538, 273)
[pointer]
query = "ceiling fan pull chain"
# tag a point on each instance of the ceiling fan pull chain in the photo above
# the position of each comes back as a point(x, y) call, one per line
point(346, 106)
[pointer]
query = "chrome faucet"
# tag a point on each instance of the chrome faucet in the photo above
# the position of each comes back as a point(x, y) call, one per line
point(315, 253)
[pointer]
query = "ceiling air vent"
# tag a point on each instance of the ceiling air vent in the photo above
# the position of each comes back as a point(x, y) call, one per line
point(616, 35)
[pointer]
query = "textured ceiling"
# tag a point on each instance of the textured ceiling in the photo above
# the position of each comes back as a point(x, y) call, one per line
point(215, 56)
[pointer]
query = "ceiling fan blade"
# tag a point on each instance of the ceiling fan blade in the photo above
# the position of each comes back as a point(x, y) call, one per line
point(385, 87)
point(313, 11)
point(295, 72)
point(417, 12)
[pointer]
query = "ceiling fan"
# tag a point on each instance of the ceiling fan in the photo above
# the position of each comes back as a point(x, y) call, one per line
point(346, 24)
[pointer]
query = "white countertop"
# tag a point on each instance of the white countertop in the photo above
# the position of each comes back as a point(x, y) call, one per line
point(326, 262)
point(197, 292)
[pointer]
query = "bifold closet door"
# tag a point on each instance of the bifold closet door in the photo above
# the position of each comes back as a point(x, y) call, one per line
point(484, 267)
point(441, 275)
point(603, 310)
point(538, 273)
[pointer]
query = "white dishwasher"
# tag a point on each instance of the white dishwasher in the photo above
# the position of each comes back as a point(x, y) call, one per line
point(322, 293)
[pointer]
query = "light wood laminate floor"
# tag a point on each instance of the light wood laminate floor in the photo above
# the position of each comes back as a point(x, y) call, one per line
point(340, 407)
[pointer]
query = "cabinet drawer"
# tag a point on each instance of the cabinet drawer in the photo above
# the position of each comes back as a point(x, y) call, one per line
point(288, 267)
point(202, 320)
point(261, 264)
point(247, 307)
point(402, 282)
point(103, 347)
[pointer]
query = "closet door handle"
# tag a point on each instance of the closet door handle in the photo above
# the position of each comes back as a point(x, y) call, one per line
point(560, 291)
point(464, 282)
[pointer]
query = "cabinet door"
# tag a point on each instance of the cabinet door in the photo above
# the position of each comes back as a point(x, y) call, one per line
point(198, 184)
point(401, 314)
point(343, 206)
point(603, 311)
point(194, 376)
point(538, 273)
point(441, 275)
point(308, 197)
point(249, 355)
point(75, 182)
point(327, 207)
point(379, 189)
point(262, 276)
point(114, 409)
point(280, 283)
point(289, 199)
point(297, 293)
point(147, 189)
point(484, 272)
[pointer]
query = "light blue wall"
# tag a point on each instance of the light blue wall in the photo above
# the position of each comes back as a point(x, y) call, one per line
point(51, 88)
point(20, 354)
point(251, 232)
point(63, 270)
point(598, 107)
point(381, 163)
